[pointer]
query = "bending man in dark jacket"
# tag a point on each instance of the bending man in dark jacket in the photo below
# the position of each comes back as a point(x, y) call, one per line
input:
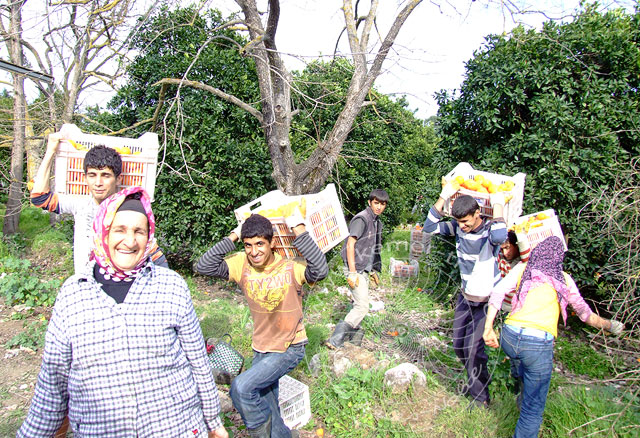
point(272, 286)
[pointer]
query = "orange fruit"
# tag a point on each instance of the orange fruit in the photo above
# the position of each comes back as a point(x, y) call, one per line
point(482, 189)
point(479, 179)
point(459, 179)
point(542, 216)
point(492, 188)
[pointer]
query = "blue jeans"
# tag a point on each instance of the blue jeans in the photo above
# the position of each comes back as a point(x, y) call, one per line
point(255, 392)
point(532, 359)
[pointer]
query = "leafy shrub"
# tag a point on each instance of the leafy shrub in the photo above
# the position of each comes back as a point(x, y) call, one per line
point(32, 337)
point(560, 105)
point(18, 285)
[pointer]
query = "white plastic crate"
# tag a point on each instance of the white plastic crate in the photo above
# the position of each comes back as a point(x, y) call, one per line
point(540, 229)
point(402, 269)
point(512, 210)
point(419, 243)
point(138, 168)
point(324, 219)
point(295, 405)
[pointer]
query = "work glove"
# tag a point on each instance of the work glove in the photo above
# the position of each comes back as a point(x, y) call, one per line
point(353, 279)
point(523, 241)
point(294, 219)
point(616, 327)
point(497, 198)
point(448, 190)
point(373, 275)
point(237, 230)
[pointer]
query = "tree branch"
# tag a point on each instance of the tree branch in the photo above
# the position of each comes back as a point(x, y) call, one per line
point(215, 91)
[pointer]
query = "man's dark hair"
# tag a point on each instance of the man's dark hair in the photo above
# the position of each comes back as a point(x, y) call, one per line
point(99, 157)
point(464, 206)
point(512, 238)
point(257, 226)
point(379, 195)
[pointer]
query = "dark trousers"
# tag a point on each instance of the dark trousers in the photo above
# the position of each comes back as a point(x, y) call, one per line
point(468, 325)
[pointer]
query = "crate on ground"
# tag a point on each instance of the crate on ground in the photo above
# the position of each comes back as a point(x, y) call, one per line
point(541, 225)
point(139, 161)
point(402, 269)
point(323, 218)
point(419, 243)
point(512, 209)
point(295, 405)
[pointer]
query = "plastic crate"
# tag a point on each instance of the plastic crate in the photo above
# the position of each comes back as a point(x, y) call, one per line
point(401, 269)
point(419, 243)
point(540, 229)
point(512, 210)
point(324, 219)
point(295, 406)
point(138, 168)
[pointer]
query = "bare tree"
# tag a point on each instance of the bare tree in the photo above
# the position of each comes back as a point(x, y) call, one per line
point(275, 112)
point(14, 46)
point(81, 43)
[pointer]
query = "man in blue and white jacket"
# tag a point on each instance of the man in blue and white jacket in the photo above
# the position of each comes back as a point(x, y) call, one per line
point(478, 244)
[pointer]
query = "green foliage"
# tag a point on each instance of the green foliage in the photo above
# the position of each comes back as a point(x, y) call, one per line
point(18, 285)
point(356, 405)
point(560, 105)
point(32, 337)
point(215, 158)
point(217, 161)
point(592, 411)
point(580, 358)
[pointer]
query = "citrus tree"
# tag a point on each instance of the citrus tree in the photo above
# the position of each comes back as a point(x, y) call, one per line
point(561, 105)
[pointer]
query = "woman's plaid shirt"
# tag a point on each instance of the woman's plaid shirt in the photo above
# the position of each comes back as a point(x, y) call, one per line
point(136, 369)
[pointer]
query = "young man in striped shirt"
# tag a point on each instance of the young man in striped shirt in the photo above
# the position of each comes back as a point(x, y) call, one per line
point(478, 243)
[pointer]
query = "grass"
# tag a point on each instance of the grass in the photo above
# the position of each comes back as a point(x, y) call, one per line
point(359, 404)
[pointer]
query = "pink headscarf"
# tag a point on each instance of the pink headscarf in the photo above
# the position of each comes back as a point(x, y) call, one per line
point(102, 224)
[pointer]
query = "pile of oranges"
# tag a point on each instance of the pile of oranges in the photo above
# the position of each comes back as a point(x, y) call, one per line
point(533, 221)
point(480, 184)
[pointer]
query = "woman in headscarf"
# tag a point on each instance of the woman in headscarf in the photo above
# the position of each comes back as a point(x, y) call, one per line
point(124, 352)
point(542, 292)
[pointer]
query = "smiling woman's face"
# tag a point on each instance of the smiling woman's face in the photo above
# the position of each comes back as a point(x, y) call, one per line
point(128, 238)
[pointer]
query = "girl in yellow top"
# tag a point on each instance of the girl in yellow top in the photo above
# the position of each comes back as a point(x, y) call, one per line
point(542, 292)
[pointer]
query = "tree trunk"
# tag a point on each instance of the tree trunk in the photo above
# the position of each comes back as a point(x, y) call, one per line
point(14, 202)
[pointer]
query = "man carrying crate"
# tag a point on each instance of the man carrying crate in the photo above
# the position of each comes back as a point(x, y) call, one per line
point(102, 168)
point(361, 257)
point(272, 286)
point(478, 243)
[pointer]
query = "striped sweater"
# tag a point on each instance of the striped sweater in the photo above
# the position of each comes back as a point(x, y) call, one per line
point(477, 252)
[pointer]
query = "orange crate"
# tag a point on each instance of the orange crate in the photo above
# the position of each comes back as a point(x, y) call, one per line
point(324, 219)
point(138, 168)
point(540, 229)
point(512, 210)
point(399, 268)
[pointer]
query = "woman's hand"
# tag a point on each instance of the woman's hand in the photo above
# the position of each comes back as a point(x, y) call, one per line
point(220, 432)
point(490, 337)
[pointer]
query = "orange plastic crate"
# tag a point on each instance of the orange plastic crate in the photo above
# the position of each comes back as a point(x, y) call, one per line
point(138, 168)
point(324, 219)
point(512, 210)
